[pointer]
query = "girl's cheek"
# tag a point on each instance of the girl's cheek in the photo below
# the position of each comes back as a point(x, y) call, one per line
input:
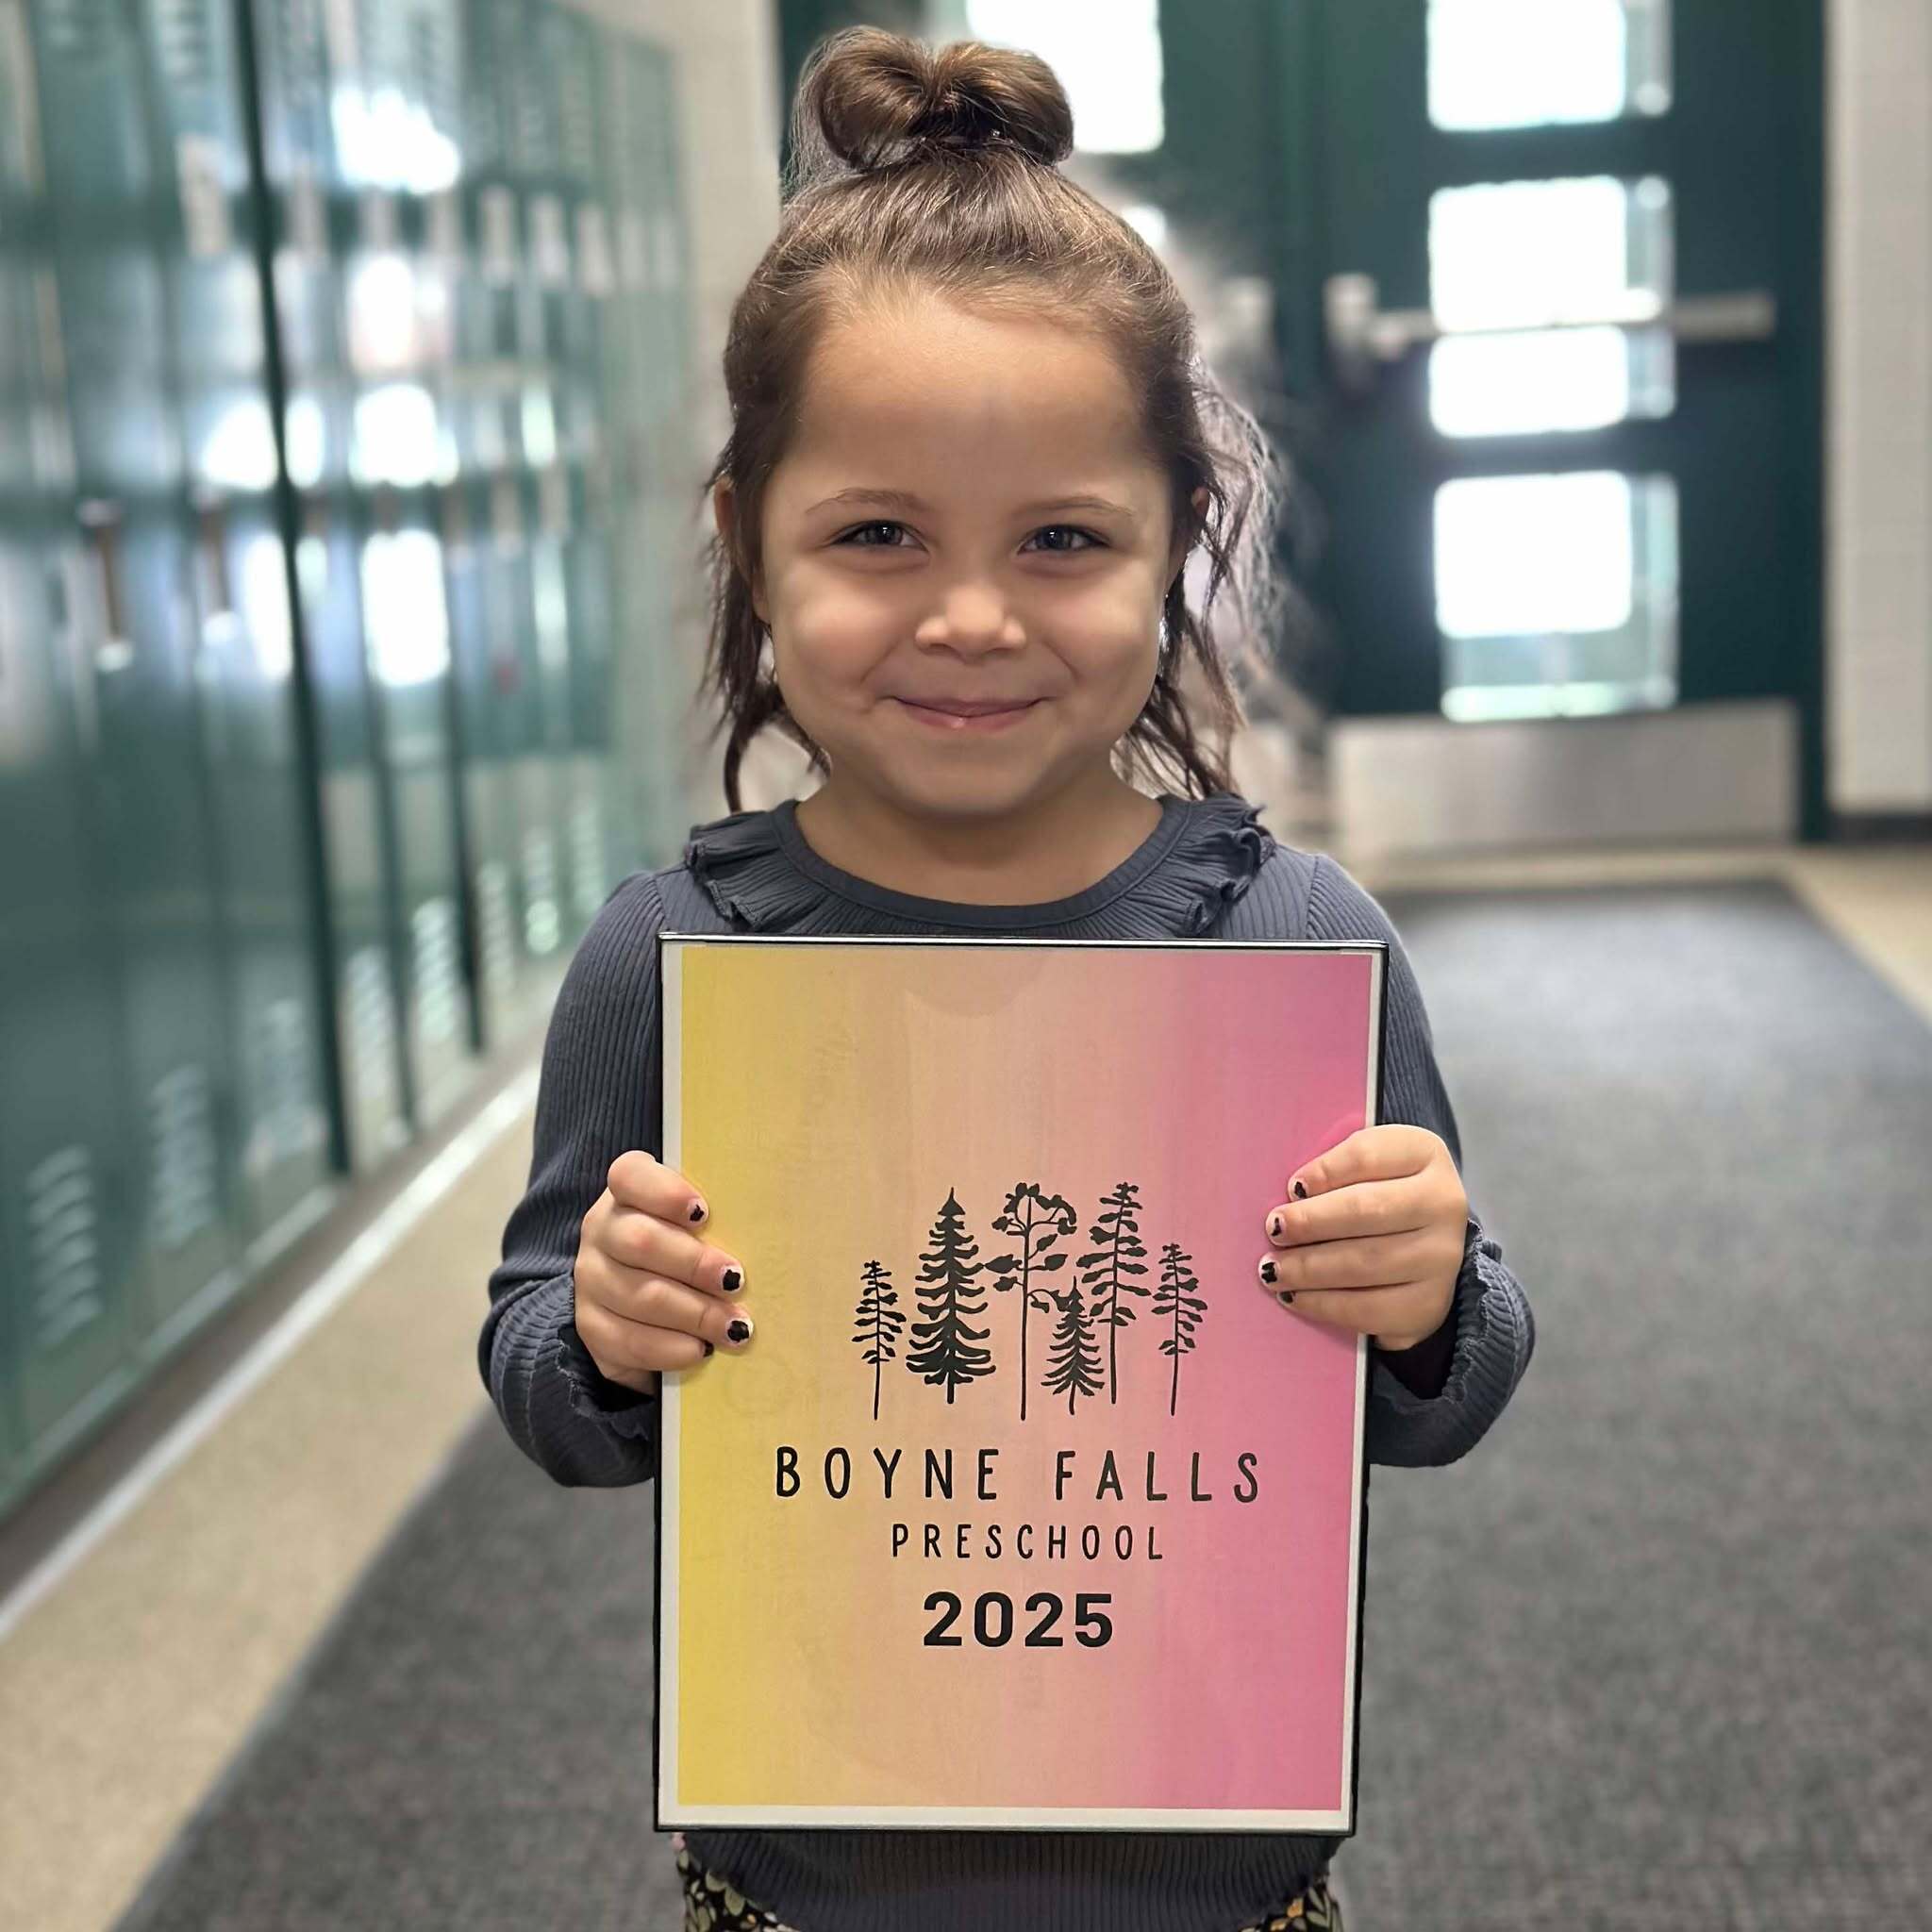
point(841, 634)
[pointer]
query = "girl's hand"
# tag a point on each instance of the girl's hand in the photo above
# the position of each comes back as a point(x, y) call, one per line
point(1370, 1237)
point(650, 1295)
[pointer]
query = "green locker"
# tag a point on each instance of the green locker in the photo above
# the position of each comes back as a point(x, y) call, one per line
point(652, 696)
point(136, 635)
point(295, 94)
point(511, 422)
point(598, 856)
point(539, 158)
point(506, 992)
point(467, 327)
point(406, 638)
point(67, 1317)
point(574, 498)
point(205, 221)
point(399, 446)
point(533, 725)
point(361, 434)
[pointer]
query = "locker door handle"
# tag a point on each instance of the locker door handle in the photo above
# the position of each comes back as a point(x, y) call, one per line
point(65, 601)
point(1360, 335)
point(212, 539)
point(100, 529)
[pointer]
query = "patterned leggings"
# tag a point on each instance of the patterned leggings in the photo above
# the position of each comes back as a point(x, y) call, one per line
point(713, 1904)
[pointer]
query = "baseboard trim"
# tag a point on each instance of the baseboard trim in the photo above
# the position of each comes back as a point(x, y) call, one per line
point(1880, 828)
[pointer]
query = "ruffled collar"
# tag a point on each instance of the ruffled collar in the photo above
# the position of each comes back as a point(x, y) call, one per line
point(763, 877)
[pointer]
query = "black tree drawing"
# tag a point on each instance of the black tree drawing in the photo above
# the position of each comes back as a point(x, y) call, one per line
point(1106, 1272)
point(1037, 1222)
point(1173, 1302)
point(880, 1318)
point(1073, 1367)
point(947, 1347)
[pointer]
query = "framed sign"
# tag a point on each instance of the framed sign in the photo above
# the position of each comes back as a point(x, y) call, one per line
point(1027, 1505)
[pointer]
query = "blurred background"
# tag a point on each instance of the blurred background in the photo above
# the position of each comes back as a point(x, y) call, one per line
point(358, 377)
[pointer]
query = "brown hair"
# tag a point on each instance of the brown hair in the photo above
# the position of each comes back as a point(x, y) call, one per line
point(936, 168)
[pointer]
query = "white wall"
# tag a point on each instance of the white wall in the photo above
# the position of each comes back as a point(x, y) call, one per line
point(1878, 405)
point(726, 54)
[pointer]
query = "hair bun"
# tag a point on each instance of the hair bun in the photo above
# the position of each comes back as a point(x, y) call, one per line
point(875, 97)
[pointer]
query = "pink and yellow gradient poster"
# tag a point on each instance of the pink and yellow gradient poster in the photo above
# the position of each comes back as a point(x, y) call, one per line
point(1027, 1506)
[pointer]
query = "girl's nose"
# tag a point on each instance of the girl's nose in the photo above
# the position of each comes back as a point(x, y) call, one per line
point(972, 619)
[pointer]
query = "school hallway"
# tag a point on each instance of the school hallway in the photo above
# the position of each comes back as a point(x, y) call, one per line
point(361, 366)
point(329, 1653)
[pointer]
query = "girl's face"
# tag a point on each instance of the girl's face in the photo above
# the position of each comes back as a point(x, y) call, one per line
point(965, 553)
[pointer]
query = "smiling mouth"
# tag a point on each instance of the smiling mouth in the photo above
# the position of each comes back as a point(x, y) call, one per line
point(975, 714)
point(970, 708)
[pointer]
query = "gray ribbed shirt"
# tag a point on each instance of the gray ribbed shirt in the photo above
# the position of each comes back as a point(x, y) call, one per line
point(1207, 870)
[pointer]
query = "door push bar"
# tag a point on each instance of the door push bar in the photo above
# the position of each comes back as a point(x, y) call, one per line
point(1361, 336)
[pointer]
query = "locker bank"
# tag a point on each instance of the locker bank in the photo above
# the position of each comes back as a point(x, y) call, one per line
point(338, 340)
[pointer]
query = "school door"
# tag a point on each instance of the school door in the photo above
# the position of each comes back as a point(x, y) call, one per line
point(1567, 257)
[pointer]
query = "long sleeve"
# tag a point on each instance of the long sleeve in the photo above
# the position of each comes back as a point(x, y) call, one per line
point(597, 1098)
point(1494, 1333)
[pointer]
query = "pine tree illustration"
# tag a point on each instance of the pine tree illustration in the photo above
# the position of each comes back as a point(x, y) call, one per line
point(1037, 1222)
point(1173, 1302)
point(946, 1346)
point(1073, 1368)
point(1106, 1273)
point(880, 1318)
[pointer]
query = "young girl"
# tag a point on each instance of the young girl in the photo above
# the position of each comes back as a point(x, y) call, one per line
point(972, 452)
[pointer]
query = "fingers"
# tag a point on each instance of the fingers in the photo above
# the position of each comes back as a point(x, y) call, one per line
point(1390, 1152)
point(1359, 1310)
point(633, 1352)
point(657, 1302)
point(1369, 1261)
point(637, 1180)
point(625, 1225)
point(634, 1328)
point(1387, 1208)
point(640, 1240)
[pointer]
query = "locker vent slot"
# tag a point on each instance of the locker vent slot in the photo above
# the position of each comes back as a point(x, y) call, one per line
point(496, 929)
point(63, 1246)
point(434, 64)
point(587, 859)
point(185, 34)
point(297, 55)
point(372, 1014)
point(541, 926)
point(80, 29)
point(434, 942)
point(289, 1122)
point(577, 106)
point(187, 1163)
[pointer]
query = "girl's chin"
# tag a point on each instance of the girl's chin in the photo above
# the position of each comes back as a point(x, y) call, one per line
point(929, 792)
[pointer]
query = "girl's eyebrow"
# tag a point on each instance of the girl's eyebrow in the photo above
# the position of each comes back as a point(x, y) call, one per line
point(905, 500)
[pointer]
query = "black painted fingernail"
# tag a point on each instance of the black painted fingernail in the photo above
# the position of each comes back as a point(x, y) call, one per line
point(733, 1281)
point(697, 1210)
point(1274, 1228)
point(1301, 1193)
point(1285, 1297)
point(710, 1348)
point(1268, 1271)
point(738, 1331)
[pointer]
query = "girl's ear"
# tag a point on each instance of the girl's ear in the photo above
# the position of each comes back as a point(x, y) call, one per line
point(1178, 555)
point(724, 514)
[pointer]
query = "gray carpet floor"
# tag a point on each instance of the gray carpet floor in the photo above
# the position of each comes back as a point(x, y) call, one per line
point(1659, 1647)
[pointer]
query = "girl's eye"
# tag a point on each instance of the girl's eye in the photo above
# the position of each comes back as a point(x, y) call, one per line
point(1087, 540)
point(861, 528)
